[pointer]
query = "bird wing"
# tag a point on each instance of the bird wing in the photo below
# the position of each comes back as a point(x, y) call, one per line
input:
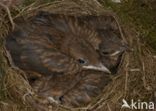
point(98, 24)
point(35, 52)
point(69, 25)
point(89, 26)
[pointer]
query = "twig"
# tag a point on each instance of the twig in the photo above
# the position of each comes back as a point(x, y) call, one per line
point(109, 109)
point(135, 70)
point(126, 79)
point(9, 15)
point(120, 29)
point(29, 93)
point(24, 9)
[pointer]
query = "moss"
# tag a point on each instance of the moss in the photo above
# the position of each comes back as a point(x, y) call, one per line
point(140, 13)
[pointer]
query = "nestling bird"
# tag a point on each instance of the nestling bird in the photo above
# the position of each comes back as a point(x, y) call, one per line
point(48, 43)
point(88, 88)
point(111, 46)
point(80, 90)
point(111, 50)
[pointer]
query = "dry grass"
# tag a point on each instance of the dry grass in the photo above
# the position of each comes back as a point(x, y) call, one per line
point(135, 80)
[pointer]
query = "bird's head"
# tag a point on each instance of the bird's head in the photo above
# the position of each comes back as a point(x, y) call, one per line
point(86, 56)
point(111, 49)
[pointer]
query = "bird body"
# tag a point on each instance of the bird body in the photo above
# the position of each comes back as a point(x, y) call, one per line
point(53, 43)
point(32, 51)
point(80, 90)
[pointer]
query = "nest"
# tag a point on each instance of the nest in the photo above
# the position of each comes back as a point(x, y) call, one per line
point(135, 78)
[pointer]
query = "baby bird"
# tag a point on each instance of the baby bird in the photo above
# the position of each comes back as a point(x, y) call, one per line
point(88, 88)
point(111, 50)
point(111, 46)
point(73, 91)
point(49, 43)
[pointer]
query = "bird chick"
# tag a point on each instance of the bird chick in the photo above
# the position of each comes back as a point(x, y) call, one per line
point(111, 46)
point(111, 49)
point(89, 87)
point(85, 54)
point(73, 91)
point(74, 39)
point(49, 43)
